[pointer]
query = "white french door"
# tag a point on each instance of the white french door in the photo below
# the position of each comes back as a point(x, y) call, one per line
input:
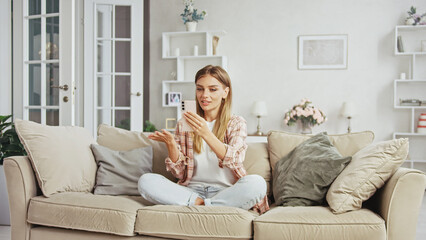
point(44, 61)
point(113, 57)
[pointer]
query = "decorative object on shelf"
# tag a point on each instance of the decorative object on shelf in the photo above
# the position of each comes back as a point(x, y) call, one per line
point(399, 44)
point(173, 75)
point(196, 50)
point(173, 98)
point(402, 76)
point(410, 102)
point(215, 42)
point(10, 145)
point(421, 126)
point(190, 16)
point(171, 123)
point(259, 110)
point(414, 18)
point(323, 52)
point(423, 43)
point(348, 111)
point(306, 114)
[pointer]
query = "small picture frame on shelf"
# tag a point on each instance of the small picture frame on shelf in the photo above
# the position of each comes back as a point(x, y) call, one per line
point(323, 52)
point(173, 98)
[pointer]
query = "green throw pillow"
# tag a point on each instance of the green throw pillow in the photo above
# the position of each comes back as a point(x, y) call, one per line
point(302, 177)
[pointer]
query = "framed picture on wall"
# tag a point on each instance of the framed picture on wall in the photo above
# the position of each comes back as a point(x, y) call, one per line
point(323, 52)
point(173, 98)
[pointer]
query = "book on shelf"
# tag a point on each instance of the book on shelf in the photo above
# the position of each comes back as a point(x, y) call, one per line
point(399, 44)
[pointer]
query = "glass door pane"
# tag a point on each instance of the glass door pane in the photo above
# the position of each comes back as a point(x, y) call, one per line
point(52, 38)
point(113, 60)
point(42, 81)
point(34, 39)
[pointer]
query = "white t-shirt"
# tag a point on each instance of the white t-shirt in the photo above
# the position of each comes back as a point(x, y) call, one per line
point(207, 170)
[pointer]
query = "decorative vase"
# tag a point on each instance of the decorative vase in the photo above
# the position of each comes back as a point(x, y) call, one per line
point(191, 26)
point(306, 128)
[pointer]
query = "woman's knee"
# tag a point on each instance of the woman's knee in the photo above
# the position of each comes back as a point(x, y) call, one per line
point(147, 180)
point(256, 183)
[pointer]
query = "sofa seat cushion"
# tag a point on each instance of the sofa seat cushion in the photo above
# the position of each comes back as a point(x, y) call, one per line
point(196, 222)
point(318, 223)
point(86, 211)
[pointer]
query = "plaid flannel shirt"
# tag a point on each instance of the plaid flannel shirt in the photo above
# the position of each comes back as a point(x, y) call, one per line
point(236, 148)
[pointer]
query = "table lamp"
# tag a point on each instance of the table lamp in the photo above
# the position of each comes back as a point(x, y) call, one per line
point(259, 110)
point(348, 111)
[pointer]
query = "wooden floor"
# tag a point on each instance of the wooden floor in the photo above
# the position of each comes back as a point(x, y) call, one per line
point(421, 226)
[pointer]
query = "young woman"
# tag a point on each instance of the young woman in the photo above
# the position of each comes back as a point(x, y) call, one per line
point(208, 161)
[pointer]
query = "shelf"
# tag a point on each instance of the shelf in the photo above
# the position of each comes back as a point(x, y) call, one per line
point(409, 53)
point(410, 27)
point(187, 67)
point(410, 80)
point(409, 107)
point(186, 41)
point(409, 134)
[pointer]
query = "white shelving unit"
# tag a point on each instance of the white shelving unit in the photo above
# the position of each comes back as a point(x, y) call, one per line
point(414, 87)
point(188, 63)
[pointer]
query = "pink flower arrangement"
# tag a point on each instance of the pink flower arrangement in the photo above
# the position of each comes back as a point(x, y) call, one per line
point(304, 112)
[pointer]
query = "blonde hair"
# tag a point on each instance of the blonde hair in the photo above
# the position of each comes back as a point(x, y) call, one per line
point(224, 115)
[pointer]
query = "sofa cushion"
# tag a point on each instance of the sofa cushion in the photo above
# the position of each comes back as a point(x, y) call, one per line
point(197, 222)
point(257, 162)
point(119, 171)
point(60, 156)
point(123, 140)
point(318, 223)
point(85, 211)
point(368, 171)
point(303, 176)
point(281, 143)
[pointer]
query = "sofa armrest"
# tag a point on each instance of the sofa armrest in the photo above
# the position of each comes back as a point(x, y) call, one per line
point(21, 187)
point(399, 202)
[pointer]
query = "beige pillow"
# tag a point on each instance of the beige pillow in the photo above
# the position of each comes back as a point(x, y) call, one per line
point(368, 171)
point(257, 162)
point(281, 143)
point(123, 140)
point(61, 156)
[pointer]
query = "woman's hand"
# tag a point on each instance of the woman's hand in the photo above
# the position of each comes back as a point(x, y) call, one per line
point(163, 136)
point(197, 123)
point(167, 138)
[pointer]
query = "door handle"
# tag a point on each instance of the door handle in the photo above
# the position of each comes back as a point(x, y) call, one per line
point(65, 87)
point(138, 94)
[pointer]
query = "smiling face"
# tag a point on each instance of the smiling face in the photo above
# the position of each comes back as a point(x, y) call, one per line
point(210, 93)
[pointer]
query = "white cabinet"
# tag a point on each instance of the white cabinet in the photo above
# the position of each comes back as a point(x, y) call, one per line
point(191, 51)
point(409, 39)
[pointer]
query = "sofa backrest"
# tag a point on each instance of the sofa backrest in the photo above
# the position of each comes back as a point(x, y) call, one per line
point(257, 162)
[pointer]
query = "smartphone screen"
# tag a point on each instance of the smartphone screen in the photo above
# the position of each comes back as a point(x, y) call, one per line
point(188, 106)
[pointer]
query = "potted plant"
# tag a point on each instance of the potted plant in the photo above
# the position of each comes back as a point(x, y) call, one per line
point(9, 146)
point(306, 114)
point(190, 16)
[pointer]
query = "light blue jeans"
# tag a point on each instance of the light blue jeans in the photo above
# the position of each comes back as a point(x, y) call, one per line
point(245, 193)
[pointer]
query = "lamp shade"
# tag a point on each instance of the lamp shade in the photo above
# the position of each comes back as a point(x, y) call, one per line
point(259, 108)
point(348, 110)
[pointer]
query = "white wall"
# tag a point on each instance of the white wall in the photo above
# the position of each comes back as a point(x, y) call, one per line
point(5, 59)
point(261, 46)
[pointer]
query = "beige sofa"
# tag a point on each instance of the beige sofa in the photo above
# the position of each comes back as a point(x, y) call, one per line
point(390, 214)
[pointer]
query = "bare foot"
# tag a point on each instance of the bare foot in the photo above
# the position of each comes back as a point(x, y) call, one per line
point(199, 201)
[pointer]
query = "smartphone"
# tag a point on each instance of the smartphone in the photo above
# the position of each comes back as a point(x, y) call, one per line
point(188, 106)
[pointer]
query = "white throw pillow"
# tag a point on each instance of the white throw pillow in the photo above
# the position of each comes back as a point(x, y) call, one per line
point(368, 171)
point(61, 156)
